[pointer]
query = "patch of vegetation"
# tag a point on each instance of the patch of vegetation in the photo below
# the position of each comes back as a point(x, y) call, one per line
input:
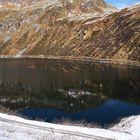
point(7, 110)
point(81, 123)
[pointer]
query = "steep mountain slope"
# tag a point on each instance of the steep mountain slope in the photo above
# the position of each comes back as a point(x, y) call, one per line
point(87, 28)
point(69, 5)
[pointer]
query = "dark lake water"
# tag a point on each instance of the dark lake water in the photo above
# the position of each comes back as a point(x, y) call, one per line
point(55, 89)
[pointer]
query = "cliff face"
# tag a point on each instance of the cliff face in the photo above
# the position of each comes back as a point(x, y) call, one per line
point(88, 28)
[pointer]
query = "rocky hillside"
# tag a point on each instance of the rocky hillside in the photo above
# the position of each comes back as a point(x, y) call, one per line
point(70, 6)
point(76, 28)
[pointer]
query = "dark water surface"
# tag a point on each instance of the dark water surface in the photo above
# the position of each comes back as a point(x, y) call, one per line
point(56, 89)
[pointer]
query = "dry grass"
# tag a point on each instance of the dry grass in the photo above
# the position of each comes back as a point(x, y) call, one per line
point(7, 110)
point(81, 123)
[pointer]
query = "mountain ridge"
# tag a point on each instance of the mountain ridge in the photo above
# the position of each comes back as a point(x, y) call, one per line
point(78, 6)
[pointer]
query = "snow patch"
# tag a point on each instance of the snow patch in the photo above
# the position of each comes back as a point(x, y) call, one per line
point(15, 128)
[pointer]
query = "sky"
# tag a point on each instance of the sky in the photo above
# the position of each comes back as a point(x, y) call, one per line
point(122, 3)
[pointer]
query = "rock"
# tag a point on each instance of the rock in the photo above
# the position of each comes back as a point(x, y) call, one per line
point(83, 28)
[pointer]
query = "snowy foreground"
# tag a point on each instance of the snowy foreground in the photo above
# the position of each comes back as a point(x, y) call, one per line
point(16, 128)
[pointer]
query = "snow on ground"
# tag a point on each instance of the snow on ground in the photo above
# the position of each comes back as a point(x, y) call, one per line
point(129, 125)
point(16, 128)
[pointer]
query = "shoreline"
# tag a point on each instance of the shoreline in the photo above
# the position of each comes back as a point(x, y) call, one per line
point(29, 129)
point(72, 58)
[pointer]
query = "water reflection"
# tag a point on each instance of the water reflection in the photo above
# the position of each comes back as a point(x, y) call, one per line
point(111, 111)
point(66, 85)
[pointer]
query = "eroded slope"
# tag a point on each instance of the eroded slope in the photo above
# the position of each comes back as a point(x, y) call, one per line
point(63, 28)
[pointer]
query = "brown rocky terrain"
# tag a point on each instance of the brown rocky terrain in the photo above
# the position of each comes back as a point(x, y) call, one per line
point(78, 28)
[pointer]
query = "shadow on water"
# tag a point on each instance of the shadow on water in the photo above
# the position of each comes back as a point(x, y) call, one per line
point(52, 89)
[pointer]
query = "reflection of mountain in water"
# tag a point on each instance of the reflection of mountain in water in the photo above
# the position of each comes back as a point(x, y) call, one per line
point(70, 86)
